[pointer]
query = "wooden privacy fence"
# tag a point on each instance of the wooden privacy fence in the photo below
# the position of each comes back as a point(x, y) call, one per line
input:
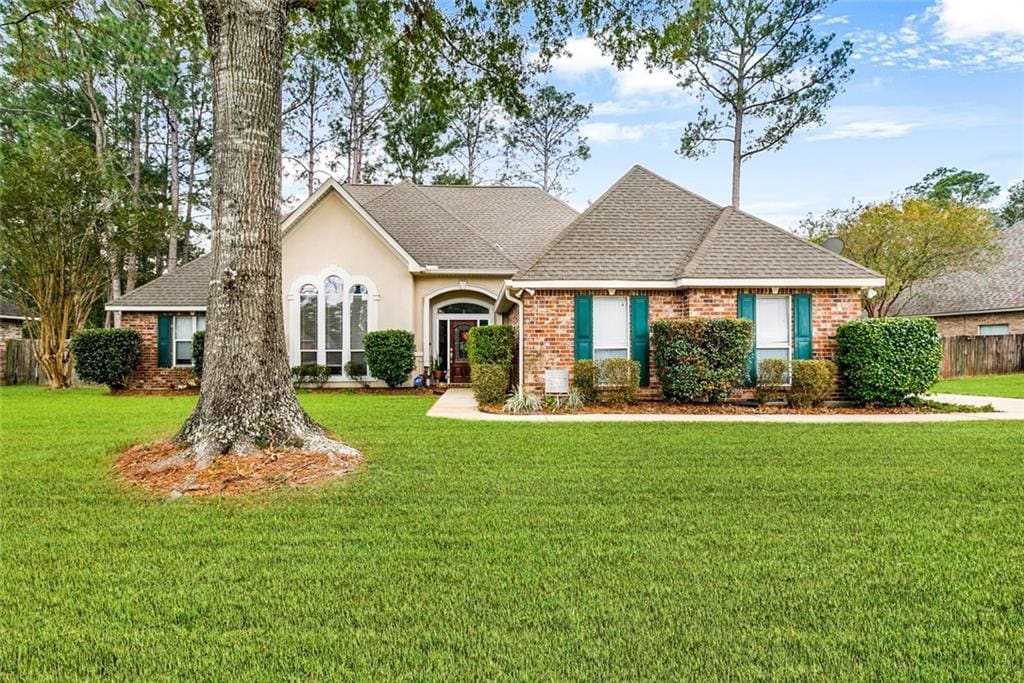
point(993, 355)
point(20, 365)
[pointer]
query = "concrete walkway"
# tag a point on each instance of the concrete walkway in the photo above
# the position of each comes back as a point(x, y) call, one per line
point(458, 404)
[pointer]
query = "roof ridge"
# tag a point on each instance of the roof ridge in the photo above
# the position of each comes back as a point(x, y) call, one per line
point(807, 242)
point(705, 242)
point(579, 216)
point(677, 185)
point(497, 249)
point(161, 276)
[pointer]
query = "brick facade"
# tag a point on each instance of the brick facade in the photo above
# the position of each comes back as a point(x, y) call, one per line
point(548, 317)
point(148, 376)
point(967, 325)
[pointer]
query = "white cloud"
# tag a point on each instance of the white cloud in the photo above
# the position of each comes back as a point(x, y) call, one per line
point(584, 59)
point(841, 19)
point(785, 214)
point(967, 20)
point(865, 129)
point(609, 131)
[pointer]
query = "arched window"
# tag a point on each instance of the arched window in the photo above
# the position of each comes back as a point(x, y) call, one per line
point(358, 323)
point(308, 324)
point(464, 307)
point(334, 324)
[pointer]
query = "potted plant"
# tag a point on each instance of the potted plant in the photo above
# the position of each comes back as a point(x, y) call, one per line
point(435, 369)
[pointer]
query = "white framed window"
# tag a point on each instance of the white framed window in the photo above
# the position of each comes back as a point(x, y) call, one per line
point(611, 327)
point(184, 327)
point(358, 326)
point(334, 324)
point(309, 315)
point(773, 331)
point(993, 330)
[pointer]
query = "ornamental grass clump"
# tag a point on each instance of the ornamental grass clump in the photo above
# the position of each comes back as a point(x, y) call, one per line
point(106, 356)
point(889, 361)
point(701, 359)
point(522, 401)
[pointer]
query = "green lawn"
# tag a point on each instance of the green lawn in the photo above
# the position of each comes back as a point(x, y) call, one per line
point(1009, 386)
point(527, 551)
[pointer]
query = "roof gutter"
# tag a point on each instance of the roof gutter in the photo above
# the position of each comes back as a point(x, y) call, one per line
point(519, 303)
point(155, 309)
point(688, 282)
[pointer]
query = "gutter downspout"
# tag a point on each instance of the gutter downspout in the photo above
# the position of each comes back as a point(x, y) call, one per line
point(519, 306)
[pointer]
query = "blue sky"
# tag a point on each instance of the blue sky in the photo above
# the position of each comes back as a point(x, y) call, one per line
point(936, 84)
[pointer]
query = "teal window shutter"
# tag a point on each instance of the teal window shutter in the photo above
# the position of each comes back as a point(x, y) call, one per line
point(640, 337)
point(802, 326)
point(747, 310)
point(583, 327)
point(163, 341)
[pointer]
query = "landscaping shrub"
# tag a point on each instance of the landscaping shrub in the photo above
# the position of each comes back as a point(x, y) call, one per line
point(522, 401)
point(106, 356)
point(771, 380)
point(356, 371)
point(198, 345)
point(701, 359)
point(311, 375)
point(811, 382)
point(490, 382)
point(889, 360)
point(491, 344)
point(584, 380)
point(390, 355)
point(618, 379)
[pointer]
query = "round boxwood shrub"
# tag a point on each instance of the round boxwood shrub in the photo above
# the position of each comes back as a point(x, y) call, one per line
point(106, 356)
point(198, 344)
point(701, 359)
point(618, 379)
point(888, 361)
point(390, 355)
point(771, 380)
point(811, 382)
point(490, 382)
point(491, 344)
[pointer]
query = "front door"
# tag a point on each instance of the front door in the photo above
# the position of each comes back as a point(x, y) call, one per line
point(458, 350)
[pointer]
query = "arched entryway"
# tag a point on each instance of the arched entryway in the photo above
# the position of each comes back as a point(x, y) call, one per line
point(452, 314)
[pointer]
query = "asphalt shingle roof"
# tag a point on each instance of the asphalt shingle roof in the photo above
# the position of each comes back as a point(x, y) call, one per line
point(9, 309)
point(998, 286)
point(189, 285)
point(648, 228)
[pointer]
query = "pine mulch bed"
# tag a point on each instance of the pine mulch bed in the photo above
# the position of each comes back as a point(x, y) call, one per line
point(229, 475)
point(665, 408)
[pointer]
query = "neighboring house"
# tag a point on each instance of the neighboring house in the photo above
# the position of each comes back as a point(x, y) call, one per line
point(440, 260)
point(11, 322)
point(979, 302)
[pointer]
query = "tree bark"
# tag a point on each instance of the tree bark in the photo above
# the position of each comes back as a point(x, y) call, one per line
point(737, 156)
point(247, 401)
point(174, 163)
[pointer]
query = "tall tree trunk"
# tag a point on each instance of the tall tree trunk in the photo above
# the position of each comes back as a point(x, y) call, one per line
point(174, 163)
point(246, 399)
point(737, 156)
point(132, 259)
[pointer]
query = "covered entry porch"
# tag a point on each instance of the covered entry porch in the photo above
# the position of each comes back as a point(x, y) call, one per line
point(449, 315)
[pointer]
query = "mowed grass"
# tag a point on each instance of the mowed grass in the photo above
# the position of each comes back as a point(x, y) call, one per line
point(517, 551)
point(1007, 386)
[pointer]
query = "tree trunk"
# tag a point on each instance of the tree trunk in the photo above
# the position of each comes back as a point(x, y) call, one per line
point(174, 163)
point(247, 401)
point(737, 157)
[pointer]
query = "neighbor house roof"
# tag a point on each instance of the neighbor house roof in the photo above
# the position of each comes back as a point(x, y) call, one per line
point(997, 286)
point(10, 310)
point(187, 288)
point(646, 228)
point(466, 227)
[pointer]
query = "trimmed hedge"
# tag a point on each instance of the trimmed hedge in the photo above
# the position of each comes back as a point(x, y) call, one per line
point(618, 379)
point(811, 382)
point(492, 345)
point(701, 359)
point(390, 355)
point(584, 380)
point(106, 356)
point(355, 370)
point(311, 374)
point(198, 346)
point(889, 361)
point(490, 382)
point(771, 380)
